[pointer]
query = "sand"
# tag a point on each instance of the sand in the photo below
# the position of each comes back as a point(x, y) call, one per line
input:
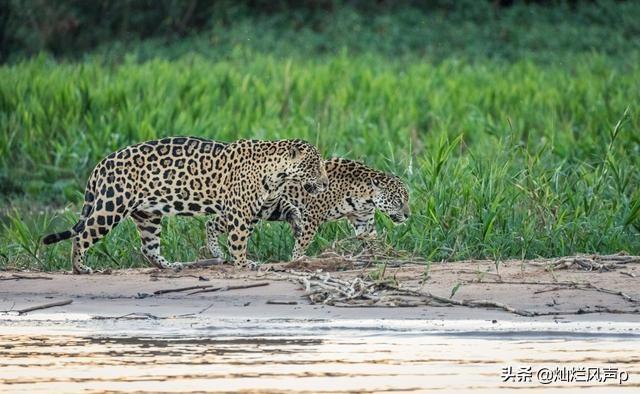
point(131, 292)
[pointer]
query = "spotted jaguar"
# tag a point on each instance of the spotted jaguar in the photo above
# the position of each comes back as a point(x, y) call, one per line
point(355, 192)
point(190, 176)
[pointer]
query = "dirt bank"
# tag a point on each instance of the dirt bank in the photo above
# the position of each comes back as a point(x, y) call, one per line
point(568, 292)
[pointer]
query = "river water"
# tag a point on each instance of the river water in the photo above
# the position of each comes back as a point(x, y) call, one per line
point(312, 356)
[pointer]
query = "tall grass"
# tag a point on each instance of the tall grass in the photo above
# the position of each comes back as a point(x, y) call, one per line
point(502, 159)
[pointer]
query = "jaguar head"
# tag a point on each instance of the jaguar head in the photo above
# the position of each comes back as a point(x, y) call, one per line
point(391, 196)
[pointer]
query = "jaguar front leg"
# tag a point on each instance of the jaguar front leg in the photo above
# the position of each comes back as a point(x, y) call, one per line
point(239, 230)
point(215, 227)
point(294, 218)
point(306, 231)
point(365, 227)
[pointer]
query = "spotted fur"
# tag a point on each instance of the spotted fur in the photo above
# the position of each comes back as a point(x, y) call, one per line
point(355, 192)
point(190, 176)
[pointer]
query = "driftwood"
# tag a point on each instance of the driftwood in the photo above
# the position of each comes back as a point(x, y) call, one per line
point(562, 286)
point(43, 306)
point(589, 262)
point(226, 288)
point(19, 277)
point(322, 288)
point(178, 289)
point(149, 316)
point(208, 288)
point(281, 302)
point(199, 277)
point(204, 263)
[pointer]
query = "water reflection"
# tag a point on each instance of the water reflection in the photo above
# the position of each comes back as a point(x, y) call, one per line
point(68, 363)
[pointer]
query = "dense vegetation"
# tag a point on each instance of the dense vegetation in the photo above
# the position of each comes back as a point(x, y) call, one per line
point(516, 148)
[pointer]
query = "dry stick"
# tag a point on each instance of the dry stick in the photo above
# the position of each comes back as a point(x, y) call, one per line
point(225, 288)
point(486, 303)
point(588, 262)
point(600, 309)
point(469, 303)
point(45, 306)
point(205, 263)
point(129, 316)
point(178, 276)
point(279, 302)
point(468, 271)
point(18, 277)
point(205, 309)
point(571, 285)
point(552, 289)
point(589, 287)
point(177, 289)
point(525, 282)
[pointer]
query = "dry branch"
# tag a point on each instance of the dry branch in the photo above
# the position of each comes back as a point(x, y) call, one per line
point(358, 292)
point(199, 277)
point(19, 276)
point(44, 306)
point(178, 289)
point(226, 288)
point(565, 285)
point(204, 263)
point(589, 262)
point(281, 302)
point(582, 311)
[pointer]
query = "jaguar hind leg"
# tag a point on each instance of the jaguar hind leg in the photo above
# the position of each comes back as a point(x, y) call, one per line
point(149, 227)
point(78, 256)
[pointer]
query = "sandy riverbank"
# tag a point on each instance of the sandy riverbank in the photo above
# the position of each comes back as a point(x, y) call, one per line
point(132, 292)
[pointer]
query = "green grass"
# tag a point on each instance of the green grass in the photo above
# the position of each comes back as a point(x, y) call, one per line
point(504, 159)
point(517, 130)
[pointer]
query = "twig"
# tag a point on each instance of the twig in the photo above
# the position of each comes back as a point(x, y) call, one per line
point(280, 302)
point(588, 262)
point(556, 288)
point(581, 311)
point(44, 306)
point(177, 289)
point(360, 293)
point(526, 282)
point(226, 288)
point(205, 263)
point(588, 288)
point(18, 277)
point(469, 303)
point(568, 285)
point(130, 316)
point(199, 277)
point(205, 309)
point(470, 271)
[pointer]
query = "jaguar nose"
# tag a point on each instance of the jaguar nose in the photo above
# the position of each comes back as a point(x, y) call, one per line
point(324, 183)
point(321, 185)
point(311, 188)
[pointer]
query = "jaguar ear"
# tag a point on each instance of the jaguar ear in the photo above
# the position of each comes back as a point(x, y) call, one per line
point(294, 152)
